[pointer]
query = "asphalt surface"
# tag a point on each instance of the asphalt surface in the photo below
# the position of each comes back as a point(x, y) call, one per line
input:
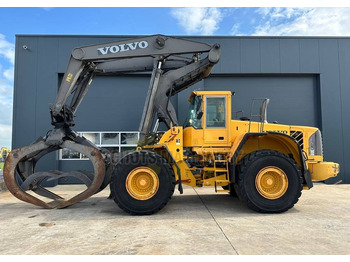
point(197, 222)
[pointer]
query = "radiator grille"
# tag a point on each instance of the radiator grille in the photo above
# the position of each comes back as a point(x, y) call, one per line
point(299, 137)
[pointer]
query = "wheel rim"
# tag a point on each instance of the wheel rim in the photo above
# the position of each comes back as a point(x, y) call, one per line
point(142, 183)
point(271, 182)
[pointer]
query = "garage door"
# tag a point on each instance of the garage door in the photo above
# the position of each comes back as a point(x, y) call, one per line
point(293, 99)
point(113, 103)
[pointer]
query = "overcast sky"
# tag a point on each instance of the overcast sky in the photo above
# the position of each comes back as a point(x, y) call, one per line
point(272, 21)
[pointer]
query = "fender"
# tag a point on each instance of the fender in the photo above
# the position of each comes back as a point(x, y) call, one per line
point(274, 136)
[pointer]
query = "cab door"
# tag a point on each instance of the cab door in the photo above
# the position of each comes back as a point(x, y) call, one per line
point(216, 120)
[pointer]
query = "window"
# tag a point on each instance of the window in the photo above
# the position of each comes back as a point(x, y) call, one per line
point(129, 138)
point(110, 138)
point(194, 114)
point(69, 154)
point(113, 141)
point(215, 112)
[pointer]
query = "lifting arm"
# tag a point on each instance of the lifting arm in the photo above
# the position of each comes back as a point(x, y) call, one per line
point(171, 74)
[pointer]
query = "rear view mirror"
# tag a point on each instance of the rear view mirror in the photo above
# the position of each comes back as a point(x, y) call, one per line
point(199, 116)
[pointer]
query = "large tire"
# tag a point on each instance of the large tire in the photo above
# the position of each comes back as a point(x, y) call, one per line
point(142, 183)
point(269, 181)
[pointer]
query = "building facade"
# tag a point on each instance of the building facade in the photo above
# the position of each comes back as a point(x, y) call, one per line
point(306, 78)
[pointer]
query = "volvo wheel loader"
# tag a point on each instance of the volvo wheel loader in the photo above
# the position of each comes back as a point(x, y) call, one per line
point(266, 164)
point(3, 153)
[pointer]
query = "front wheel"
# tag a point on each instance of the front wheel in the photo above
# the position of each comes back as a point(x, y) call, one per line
point(269, 181)
point(142, 183)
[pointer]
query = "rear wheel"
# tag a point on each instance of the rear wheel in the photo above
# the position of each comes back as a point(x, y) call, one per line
point(269, 181)
point(142, 183)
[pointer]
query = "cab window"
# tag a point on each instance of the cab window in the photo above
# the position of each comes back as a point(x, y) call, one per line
point(194, 114)
point(215, 112)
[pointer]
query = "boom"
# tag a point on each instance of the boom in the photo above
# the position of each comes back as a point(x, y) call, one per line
point(170, 73)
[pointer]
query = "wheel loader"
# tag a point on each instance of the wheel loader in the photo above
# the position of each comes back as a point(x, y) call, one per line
point(266, 164)
point(4, 152)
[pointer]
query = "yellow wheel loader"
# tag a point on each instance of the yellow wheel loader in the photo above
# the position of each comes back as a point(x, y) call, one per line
point(4, 152)
point(266, 164)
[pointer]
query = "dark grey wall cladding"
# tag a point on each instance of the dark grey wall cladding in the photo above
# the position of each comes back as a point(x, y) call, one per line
point(344, 75)
point(293, 99)
point(113, 104)
point(309, 55)
point(331, 102)
point(250, 56)
point(290, 56)
point(307, 79)
point(270, 55)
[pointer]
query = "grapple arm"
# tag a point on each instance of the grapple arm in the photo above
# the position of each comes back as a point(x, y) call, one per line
point(136, 54)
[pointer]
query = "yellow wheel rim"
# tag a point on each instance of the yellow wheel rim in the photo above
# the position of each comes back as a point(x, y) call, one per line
point(271, 182)
point(142, 183)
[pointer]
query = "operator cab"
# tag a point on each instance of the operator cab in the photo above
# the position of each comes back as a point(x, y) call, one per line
point(208, 119)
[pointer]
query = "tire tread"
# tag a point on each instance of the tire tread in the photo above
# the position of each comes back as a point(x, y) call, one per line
point(245, 162)
point(170, 171)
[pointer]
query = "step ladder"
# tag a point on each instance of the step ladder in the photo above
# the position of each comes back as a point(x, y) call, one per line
point(220, 170)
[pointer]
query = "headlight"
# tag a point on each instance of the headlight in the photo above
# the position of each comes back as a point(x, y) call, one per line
point(315, 144)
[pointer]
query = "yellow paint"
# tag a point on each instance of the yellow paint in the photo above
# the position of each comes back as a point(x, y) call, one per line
point(142, 183)
point(320, 171)
point(214, 140)
point(193, 137)
point(69, 77)
point(211, 136)
point(271, 142)
point(211, 181)
point(271, 182)
point(4, 152)
point(172, 141)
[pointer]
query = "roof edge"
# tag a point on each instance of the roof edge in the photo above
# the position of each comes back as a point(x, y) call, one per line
point(184, 36)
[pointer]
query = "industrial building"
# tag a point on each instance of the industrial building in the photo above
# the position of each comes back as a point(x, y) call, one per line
point(306, 78)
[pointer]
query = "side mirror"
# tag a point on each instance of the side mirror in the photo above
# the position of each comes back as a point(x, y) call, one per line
point(199, 116)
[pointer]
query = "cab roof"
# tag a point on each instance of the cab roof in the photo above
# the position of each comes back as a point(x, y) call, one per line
point(209, 93)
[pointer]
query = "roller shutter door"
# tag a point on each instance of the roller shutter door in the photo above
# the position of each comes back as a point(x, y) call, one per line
point(293, 99)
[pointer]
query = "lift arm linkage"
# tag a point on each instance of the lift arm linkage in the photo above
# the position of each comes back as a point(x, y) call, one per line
point(171, 73)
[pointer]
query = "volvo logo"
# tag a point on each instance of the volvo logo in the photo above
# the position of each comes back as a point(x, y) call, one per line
point(279, 131)
point(122, 48)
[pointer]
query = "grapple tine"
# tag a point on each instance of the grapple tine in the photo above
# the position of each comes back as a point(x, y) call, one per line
point(99, 170)
point(27, 153)
point(12, 160)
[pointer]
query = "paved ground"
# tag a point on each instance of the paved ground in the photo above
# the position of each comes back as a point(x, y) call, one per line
point(197, 222)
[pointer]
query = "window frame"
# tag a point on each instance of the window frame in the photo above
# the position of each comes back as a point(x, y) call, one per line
point(119, 145)
point(206, 111)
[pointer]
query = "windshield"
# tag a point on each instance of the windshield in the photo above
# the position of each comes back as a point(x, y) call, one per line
point(195, 113)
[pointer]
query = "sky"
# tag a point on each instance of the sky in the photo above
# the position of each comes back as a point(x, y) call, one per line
point(177, 21)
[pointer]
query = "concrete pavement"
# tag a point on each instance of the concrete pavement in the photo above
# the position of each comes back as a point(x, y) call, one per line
point(197, 222)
